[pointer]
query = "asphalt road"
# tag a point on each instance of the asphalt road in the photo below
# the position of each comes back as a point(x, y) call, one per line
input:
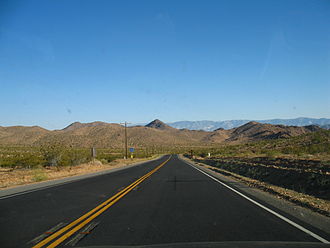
point(175, 204)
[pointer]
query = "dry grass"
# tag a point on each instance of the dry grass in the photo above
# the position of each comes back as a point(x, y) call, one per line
point(13, 177)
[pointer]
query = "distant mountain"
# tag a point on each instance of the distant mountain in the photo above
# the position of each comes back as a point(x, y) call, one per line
point(156, 133)
point(213, 125)
point(207, 125)
point(326, 126)
point(302, 121)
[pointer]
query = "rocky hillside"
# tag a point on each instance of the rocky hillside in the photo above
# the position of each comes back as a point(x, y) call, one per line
point(101, 134)
point(159, 125)
point(21, 135)
point(256, 131)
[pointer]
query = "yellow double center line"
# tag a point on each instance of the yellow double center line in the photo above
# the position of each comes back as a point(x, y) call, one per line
point(92, 214)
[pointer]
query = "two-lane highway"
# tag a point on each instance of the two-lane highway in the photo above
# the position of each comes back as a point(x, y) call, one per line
point(162, 201)
point(27, 216)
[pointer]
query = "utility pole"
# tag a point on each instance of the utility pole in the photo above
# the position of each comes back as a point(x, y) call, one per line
point(126, 143)
point(126, 155)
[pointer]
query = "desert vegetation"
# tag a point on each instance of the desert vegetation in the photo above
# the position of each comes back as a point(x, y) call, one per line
point(56, 155)
point(29, 164)
point(43, 156)
point(314, 146)
point(300, 163)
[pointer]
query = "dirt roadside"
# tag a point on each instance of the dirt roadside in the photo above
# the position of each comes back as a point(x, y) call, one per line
point(10, 178)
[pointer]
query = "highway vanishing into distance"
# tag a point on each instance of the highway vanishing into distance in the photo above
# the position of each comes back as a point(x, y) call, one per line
point(164, 201)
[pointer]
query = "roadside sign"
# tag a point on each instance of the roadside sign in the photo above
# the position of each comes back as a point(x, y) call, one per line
point(131, 149)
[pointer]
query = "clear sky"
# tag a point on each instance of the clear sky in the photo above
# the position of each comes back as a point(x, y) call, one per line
point(63, 61)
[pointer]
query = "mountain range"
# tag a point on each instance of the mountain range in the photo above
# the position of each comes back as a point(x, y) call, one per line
point(213, 125)
point(156, 133)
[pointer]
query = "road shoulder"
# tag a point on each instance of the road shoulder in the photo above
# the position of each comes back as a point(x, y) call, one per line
point(302, 214)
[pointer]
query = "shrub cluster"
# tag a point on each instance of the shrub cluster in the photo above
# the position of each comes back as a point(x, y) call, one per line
point(47, 155)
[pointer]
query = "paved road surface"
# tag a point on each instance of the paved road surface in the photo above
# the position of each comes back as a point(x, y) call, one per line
point(175, 204)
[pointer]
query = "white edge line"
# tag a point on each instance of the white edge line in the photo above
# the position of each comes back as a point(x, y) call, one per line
point(74, 180)
point(34, 190)
point(264, 207)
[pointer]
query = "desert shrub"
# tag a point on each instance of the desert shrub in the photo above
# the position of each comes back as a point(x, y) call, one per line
point(39, 175)
point(106, 156)
point(28, 161)
point(59, 155)
point(75, 156)
point(316, 184)
point(52, 154)
point(271, 153)
point(318, 148)
point(27, 157)
point(203, 154)
point(317, 137)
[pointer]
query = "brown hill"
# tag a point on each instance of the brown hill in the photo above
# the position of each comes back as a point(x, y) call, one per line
point(101, 134)
point(21, 135)
point(253, 131)
point(158, 125)
point(77, 125)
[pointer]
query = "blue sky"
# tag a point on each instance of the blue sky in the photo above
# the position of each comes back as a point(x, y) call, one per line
point(64, 61)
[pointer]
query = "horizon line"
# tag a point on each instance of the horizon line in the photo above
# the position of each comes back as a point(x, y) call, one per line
point(145, 123)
